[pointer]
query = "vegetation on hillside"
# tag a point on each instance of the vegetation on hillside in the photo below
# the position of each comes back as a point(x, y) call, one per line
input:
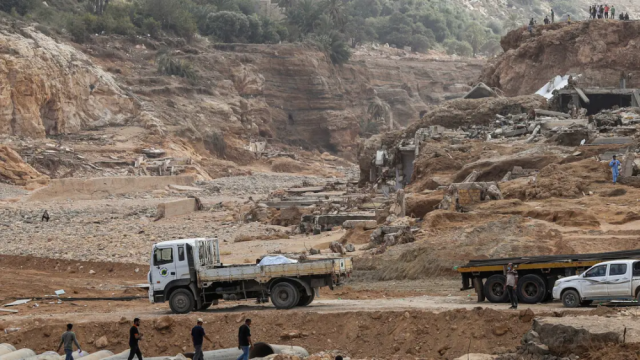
point(334, 26)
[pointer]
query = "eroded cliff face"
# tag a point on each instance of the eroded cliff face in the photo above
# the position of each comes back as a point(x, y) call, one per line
point(599, 50)
point(48, 88)
point(289, 93)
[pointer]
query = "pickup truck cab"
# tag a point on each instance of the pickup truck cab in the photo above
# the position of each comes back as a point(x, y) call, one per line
point(611, 280)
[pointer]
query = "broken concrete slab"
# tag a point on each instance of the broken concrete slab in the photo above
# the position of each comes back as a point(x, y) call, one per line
point(551, 113)
point(627, 165)
point(480, 91)
point(365, 224)
point(311, 189)
point(176, 208)
point(325, 222)
point(612, 141)
point(185, 188)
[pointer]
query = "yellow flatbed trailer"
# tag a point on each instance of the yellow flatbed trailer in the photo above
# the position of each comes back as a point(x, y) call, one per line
point(536, 275)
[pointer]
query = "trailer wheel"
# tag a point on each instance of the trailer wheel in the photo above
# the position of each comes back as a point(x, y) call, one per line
point(306, 299)
point(284, 296)
point(181, 301)
point(494, 289)
point(532, 289)
point(571, 299)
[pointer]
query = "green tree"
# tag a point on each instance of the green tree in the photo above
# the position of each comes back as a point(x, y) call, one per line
point(495, 27)
point(512, 22)
point(22, 7)
point(173, 15)
point(255, 35)
point(336, 11)
point(476, 36)
point(420, 43)
point(365, 8)
point(333, 45)
point(304, 15)
point(228, 26)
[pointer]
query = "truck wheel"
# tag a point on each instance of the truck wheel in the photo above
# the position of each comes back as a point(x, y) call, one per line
point(306, 299)
point(284, 296)
point(571, 299)
point(532, 289)
point(181, 301)
point(494, 289)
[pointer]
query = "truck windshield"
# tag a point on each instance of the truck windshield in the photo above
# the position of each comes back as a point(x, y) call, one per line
point(163, 256)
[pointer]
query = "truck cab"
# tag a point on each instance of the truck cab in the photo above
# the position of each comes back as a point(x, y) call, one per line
point(611, 280)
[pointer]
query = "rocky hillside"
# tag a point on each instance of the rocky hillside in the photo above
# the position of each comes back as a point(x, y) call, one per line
point(599, 50)
point(290, 93)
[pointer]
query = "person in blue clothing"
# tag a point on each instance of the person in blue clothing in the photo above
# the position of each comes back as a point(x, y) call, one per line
point(614, 165)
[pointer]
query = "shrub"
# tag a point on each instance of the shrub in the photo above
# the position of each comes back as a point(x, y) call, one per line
point(170, 66)
point(77, 29)
point(151, 27)
point(461, 48)
point(216, 144)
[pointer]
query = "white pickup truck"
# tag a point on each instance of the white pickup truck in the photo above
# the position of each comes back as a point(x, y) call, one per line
point(188, 273)
point(611, 280)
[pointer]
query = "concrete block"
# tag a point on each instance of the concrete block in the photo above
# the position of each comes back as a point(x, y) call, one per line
point(365, 224)
point(177, 208)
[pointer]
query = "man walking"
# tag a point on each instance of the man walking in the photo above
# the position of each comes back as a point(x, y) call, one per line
point(613, 12)
point(244, 340)
point(511, 285)
point(614, 164)
point(134, 337)
point(68, 339)
point(553, 16)
point(198, 336)
point(606, 11)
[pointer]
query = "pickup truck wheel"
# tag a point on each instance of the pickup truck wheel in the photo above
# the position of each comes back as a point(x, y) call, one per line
point(181, 301)
point(494, 289)
point(284, 296)
point(571, 299)
point(306, 299)
point(531, 289)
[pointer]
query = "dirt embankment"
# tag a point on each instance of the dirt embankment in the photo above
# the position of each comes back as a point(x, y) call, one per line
point(359, 334)
point(599, 50)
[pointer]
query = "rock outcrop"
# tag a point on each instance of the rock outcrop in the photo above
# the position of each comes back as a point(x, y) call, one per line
point(15, 171)
point(290, 92)
point(599, 50)
point(49, 88)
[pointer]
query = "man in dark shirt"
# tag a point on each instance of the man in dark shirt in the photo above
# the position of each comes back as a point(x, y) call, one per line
point(134, 337)
point(244, 340)
point(198, 336)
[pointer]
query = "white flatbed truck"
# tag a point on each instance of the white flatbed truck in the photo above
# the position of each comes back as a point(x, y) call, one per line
point(189, 275)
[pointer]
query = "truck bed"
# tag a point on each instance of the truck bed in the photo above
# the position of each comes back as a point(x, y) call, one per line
point(267, 272)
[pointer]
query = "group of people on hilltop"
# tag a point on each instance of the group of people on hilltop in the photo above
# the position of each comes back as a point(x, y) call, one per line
point(605, 12)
